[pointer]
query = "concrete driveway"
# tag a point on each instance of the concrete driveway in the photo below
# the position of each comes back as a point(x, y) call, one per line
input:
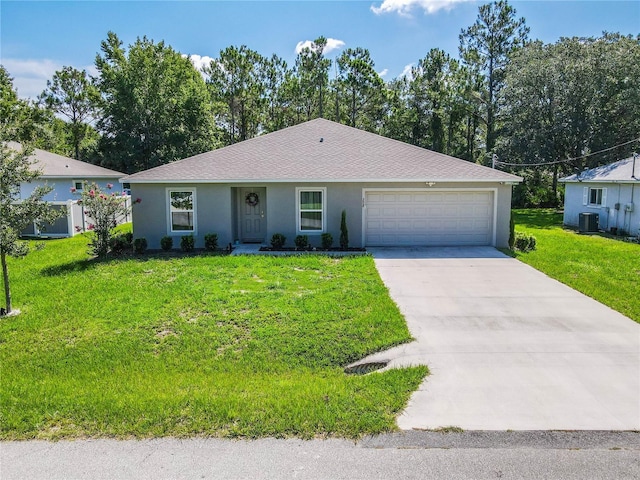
point(507, 346)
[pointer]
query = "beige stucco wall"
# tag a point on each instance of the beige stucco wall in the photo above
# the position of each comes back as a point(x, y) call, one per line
point(216, 209)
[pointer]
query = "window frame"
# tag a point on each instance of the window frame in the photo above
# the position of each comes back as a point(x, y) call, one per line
point(323, 210)
point(170, 230)
point(595, 190)
point(74, 184)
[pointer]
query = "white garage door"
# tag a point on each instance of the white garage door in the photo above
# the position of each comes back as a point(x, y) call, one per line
point(428, 218)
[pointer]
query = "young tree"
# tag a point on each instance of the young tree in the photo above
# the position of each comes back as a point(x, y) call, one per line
point(104, 209)
point(71, 94)
point(486, 47)
point(16, 168)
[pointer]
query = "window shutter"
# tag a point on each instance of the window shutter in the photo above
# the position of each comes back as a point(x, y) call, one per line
point(585, 195)
point(604, 197)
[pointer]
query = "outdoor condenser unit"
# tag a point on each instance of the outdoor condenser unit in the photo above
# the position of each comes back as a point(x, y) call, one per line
point(588, 222)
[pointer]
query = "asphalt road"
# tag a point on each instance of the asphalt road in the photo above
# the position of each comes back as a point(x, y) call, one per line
point(408, 455)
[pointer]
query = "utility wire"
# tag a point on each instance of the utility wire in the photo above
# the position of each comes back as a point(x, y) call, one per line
point(498, 162)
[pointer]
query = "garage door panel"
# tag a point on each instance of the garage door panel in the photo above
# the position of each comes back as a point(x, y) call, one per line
point(429, 218)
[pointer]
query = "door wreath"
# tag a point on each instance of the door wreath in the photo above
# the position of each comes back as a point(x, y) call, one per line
point(252, 199)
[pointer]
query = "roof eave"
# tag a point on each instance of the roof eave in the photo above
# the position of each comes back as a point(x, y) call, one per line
point(511, 181)
point(630, 181)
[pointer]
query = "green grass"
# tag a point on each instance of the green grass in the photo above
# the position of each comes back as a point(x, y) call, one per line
point(606, 269)
point(197, 345)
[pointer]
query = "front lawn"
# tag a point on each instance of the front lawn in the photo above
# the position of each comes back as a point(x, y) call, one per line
point(605, 269)
point(203, 345)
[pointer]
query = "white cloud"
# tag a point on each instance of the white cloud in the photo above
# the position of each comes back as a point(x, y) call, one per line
point(406, 72)
point(199, 61)
point(30, 76)
point(383, 72)
point(332, 44)
point(405, 7)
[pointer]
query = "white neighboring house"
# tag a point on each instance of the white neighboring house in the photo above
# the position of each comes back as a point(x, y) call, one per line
point(63, 174)
point(611, 191)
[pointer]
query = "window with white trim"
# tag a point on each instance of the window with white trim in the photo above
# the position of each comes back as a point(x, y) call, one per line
point(311, 205)
point(182, 210)
point(78, 185)
point(595, 197)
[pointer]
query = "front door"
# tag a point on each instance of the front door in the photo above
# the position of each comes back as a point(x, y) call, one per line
point(253, 214)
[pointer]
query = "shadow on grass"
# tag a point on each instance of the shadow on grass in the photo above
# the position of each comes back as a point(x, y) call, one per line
point(542, 218)
point(90, 263)
point(508, 252)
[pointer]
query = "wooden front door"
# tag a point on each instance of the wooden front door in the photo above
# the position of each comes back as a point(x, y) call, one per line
point(253, 214)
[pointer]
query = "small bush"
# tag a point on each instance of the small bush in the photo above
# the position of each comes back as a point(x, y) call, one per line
point(211, 242)
point(301, 241)
point(512, 232)
point(119, 243)
point(344, 232)
point(525, 242)
point(140, 245)
point(187, 243)
point(278, 240)
point(166, 243)
point(327, 240)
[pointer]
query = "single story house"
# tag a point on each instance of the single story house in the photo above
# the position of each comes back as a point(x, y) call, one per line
point(64, 173)
point(610, 191)
point(298, 180)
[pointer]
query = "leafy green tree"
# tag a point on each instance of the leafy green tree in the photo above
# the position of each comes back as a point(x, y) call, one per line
point(71, 93)
point(312, 70)
point(276, 75)
point(237, 82)
point(360, 88)
point(155, 106)
point(486, 48)
point(22, 120)
point(396, 117)
point(16, 168)
point(566, 100)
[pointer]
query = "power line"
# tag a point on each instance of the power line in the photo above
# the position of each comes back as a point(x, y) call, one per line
point(498, 162)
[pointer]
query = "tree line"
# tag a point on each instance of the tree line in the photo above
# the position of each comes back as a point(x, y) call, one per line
point(505, 97)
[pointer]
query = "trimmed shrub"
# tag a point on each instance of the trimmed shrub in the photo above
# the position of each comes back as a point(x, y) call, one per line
point(140, 245)
point(512, 233)
point(525, 242)
point(301, 241)
point(327, 240)
point(211, 241)
point(187, 243)
point(166, 243)
point(344, 232)
point(278, 240)
point(119, 243)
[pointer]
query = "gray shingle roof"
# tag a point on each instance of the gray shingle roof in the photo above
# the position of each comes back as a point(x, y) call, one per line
point(616, 172)
point(58, 166)
point(320, 150)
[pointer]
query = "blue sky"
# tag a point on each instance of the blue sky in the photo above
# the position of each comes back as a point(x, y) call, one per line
point(39, 37)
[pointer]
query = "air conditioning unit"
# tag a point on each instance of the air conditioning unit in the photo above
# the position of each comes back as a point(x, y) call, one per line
point(588, 222)
point(628, 207)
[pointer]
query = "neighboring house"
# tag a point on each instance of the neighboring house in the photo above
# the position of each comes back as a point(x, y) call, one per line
point(297, 181)
point(63, 174)
point(611, 191)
